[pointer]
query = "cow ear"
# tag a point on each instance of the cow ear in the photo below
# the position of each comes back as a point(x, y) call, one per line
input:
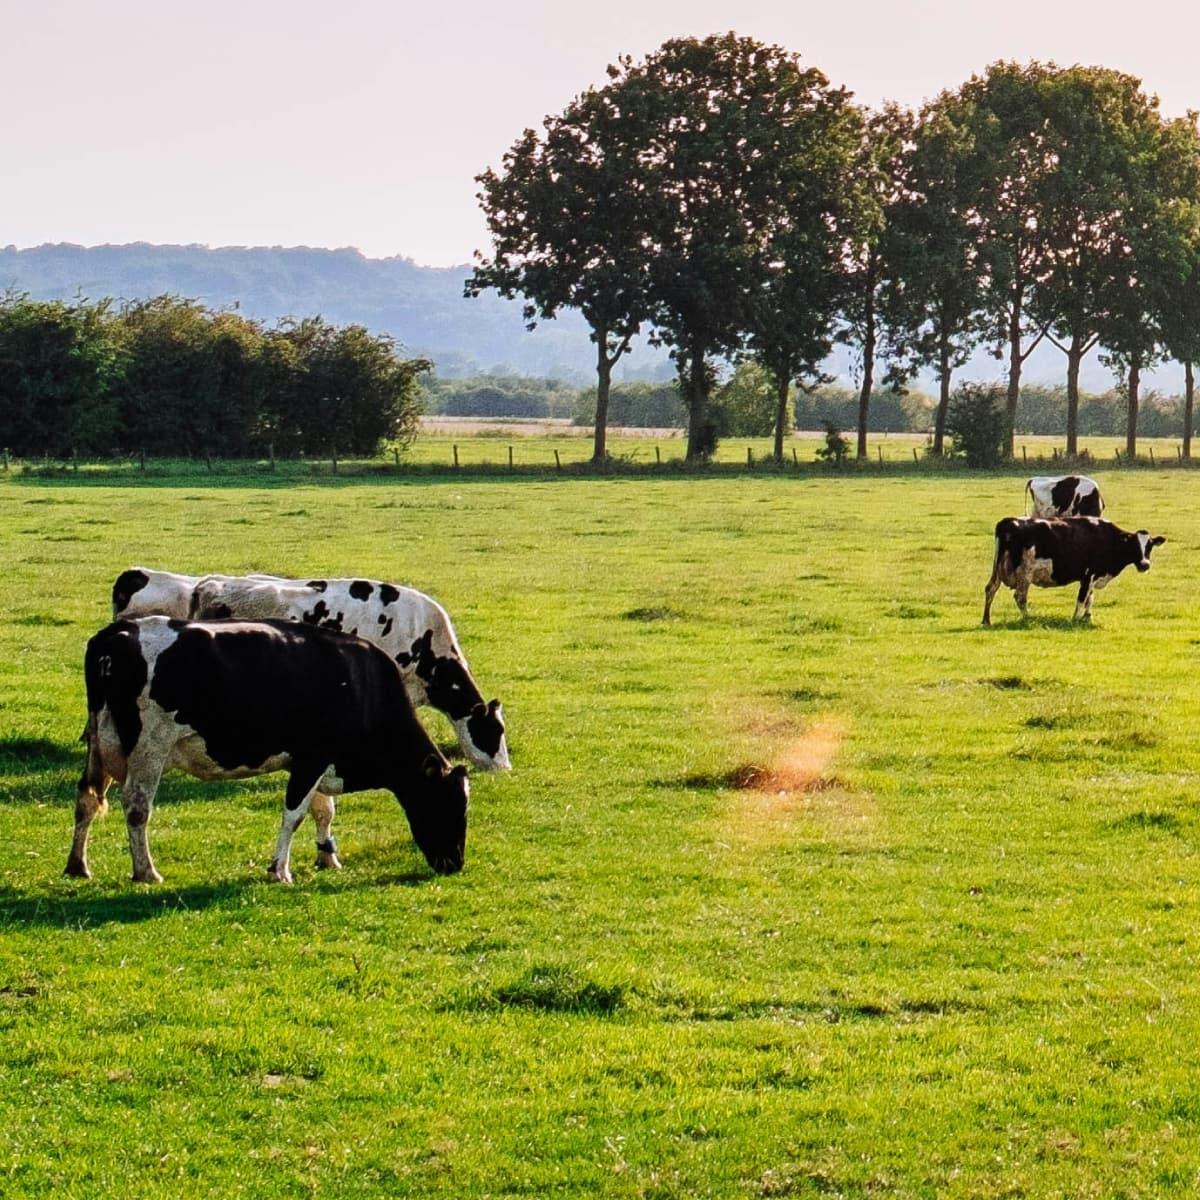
point(493, 707)
point(1158, 541)
point(432, 767)
point(460, 771)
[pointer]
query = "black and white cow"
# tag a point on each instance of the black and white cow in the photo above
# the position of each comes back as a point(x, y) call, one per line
point(411, 627)
point(230, 699)
point(1082, 550)
point(1065, 496)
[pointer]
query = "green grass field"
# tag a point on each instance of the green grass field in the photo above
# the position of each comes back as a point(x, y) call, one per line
point(803, 884)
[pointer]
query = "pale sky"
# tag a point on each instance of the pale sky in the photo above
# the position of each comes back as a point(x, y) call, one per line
point(362, 123)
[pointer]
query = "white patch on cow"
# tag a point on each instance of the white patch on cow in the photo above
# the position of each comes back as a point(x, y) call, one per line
point(1041, 571)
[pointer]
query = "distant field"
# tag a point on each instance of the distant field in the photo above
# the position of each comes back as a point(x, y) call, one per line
point(803, 883)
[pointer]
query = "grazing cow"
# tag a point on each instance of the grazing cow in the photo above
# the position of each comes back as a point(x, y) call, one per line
point(411, 627)
point(225, 700)
point(1082, 550)
point(1065, 496)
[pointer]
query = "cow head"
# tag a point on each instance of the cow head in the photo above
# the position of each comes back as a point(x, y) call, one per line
point(1146, 543)
point(437, 813)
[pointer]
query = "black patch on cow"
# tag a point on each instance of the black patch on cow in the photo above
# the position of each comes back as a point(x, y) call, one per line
point(1063, 492)
point(486, 728)
point(448, 685)
point(319, 612)
point(1089, 504)
point(124, 588)
point(360, 589)
point(334, 623)
point(317, 585)
point(219, 613)
point(114, 674)
point(423, 656)
point(388, 594)
point(387, 623)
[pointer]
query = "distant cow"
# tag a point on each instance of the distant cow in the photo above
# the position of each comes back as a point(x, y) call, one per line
point(1082, 550)
point(226, 700)
point(1065, 496)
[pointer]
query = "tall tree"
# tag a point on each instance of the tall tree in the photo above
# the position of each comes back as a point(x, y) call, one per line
point(561, 214)
point(1098, 122)
point(728, 139)
point(866, 265)
point(1157, 223)
point(1004, 120)
point(935, 288)
point(1179, 320)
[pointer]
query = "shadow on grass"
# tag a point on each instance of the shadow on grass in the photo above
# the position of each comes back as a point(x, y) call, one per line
point(85, 908)
point(22, 753)
point(1033, 621)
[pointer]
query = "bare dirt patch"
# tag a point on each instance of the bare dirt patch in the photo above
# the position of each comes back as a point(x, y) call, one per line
point(799, 784)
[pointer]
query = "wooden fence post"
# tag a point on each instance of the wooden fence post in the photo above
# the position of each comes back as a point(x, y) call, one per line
point(557, 462)
point(749, 457)
point(6, 458)
point(510, 458)
point(271, 454)
point(880, 449)
point(658, 456)
point(795, 460)
point(142, 459)
point(1152, 462)
point(396, 457)
point(915, 458)
point(456, 456)
point(1024, 454)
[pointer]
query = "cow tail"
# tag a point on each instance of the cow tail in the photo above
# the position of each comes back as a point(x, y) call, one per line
point(1029, 493)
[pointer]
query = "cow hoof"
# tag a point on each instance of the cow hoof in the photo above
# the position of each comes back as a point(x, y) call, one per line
point(150, 876)
point(277, 874)
point(328, 862)
point(76, 868)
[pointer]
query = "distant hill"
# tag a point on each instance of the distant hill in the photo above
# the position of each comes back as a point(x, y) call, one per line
point(422, 307)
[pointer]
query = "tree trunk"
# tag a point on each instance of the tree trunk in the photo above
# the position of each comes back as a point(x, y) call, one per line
point(1074, 358)
point(1135, 376)
point(1014, 371)
point(1189, 394)
point(868, 353)
point(699, 435)
point(603, 383)
point(939, 421)
point(782, 390)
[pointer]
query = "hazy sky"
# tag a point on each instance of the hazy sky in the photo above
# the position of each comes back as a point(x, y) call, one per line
point(363, 123)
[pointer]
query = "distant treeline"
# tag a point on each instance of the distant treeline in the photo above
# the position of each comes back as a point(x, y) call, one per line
point(172, 377)
point(744, 406)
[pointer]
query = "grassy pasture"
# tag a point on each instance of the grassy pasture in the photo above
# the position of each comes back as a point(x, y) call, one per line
point(803, 884)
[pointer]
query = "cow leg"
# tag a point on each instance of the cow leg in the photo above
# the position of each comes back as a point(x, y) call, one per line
point(1021, 597)
point(322, 808)
point(91, 801)
point(137, 798)
point(989, 592)
point(302, 786)
point(1083, 602)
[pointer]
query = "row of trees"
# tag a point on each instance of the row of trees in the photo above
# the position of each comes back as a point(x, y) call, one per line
point(170, 376)
point(740, 206)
